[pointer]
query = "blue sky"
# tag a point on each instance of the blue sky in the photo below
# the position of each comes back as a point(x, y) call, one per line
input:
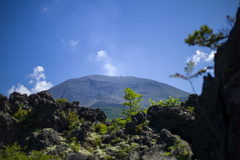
point(44, 43)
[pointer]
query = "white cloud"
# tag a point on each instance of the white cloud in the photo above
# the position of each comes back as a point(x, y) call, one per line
point(37, 73)
point(38, 79)
point(73, 43)
point(23, 90)
point(102, 54)
point(201, 57)
point(46, 9)
point(40, 86)
point(110, 69)
point(103, 59)
point(211, 56)
point(11, 90)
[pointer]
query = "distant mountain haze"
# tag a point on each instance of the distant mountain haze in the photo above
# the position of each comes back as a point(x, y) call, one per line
point(108, 91)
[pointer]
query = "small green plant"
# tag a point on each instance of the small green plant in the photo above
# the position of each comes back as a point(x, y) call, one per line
point(97, 141)
point(167, 102)
point(178, 149)
point(72, 120)
point(63, 100)
point(74, 145)
point(191, 109)
point(109, 158)
point(116, 140)
point(114, 127)
point(15, 153)
point(108, 120)
point(146, 123)
point(132, 99)
point(123, 122)
point(124, 151)
point(21, 114)
point(38, 130)
point(101, 128)
point(138, 128)
point(118, 124)
point(24, 117)
point(166, 154)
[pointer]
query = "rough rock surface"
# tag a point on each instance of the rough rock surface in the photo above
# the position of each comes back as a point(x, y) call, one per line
point(165, 141)
point(216, 127)
point(78, 156)
point(44, 126)
point(43, 112)
point(178, 121)
point(38, 141)
point(191, 101)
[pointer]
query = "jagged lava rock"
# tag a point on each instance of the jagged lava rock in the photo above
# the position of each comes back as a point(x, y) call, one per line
point(178, 121)
point(217, 114)
point(191, 101)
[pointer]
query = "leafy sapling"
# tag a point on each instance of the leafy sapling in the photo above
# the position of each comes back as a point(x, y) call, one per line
point(132, 100)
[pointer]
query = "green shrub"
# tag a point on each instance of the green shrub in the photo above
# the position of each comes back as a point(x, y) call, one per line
point(114, 127)
point(72, 120)
point(74, 145)
point(167, 102)
point(101, 128)
point(97, 142)
point(63, 100)
point(21, 114)
point(124, 151)
point(178, 149)
point(14, 153)
point(116, 140)
point(123, 122)
point(138, 128)
point(25, 117)
point(118, 124)
point(191, 109)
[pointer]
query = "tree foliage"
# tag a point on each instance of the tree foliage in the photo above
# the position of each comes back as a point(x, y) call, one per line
point(132, 100)
point(189, 76)
point(206, 38)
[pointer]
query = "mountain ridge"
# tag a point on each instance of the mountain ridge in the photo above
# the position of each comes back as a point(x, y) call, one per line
point(102, 90)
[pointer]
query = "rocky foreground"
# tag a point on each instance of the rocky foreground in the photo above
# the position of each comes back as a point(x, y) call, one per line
point(42, 123)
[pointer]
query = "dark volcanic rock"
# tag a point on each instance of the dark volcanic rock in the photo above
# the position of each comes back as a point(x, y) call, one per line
point(22, 98)
point(191, 101)
point(80, 133)
point(180, 146)
point(47, 113)
point(3, 104)
point(78, 156)
point(216, 128)
point(92, 115)
point(40, 140)
point(18, 100)
point(130, 127)
point(9, 129)
point(140, 117)
point(172, 118)
point(42, 112)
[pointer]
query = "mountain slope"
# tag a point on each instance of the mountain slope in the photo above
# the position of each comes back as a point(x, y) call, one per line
point(99, 90)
